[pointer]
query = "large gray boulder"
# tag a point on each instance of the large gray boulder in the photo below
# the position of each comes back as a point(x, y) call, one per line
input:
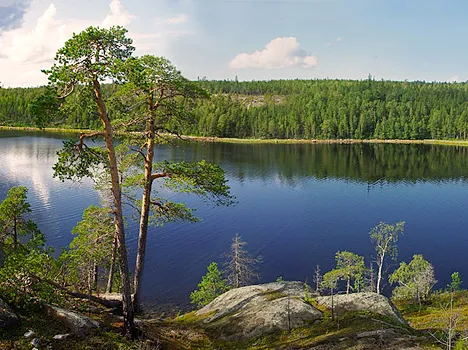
point(7, 317)
point(252, 311)
point(79, 324)
point(372, 302)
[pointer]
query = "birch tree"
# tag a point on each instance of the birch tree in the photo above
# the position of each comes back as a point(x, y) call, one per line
point(385, 238)
point(317, 278)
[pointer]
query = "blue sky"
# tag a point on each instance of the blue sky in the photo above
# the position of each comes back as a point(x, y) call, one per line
point(251, 39)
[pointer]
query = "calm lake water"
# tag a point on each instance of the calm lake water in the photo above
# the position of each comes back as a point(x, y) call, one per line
point(297, 205)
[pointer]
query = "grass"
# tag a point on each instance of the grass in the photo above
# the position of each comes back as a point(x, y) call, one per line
point(34, 129)
point(433, 313)
point(337, 333)
point(185, 332)
point(273, 295)
point(261, 141)
point(192, 318)
point(329, 334)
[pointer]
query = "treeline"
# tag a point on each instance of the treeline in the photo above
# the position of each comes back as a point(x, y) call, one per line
point(297, 109)
point(361, 162)
point(335, 109)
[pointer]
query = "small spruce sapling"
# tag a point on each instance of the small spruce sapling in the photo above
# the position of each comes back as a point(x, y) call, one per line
point(211, 285)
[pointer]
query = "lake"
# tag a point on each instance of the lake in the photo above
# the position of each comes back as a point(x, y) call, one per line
point(296, 206)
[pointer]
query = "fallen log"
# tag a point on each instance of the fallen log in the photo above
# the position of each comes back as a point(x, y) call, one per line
point(110, 303)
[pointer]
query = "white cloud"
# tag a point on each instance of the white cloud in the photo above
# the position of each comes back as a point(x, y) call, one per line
point(117, 16)
point(453, 79)
point(282, 52)
point(26, 50)
point(34, 45)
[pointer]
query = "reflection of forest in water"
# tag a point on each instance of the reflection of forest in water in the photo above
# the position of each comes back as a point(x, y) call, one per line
point(290, 163)
point(368, 163)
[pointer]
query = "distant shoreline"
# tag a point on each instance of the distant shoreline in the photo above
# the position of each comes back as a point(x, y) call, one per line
point(215, 139)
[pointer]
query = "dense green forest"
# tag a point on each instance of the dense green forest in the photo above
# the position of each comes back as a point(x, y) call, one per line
point(308, 109)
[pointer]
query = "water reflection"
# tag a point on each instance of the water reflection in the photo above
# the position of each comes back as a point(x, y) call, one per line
point(56, 206)
point(297, 206)
point(375, 164)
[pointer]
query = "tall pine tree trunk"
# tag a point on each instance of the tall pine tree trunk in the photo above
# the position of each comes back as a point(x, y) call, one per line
point(145, 207)
point(127, 304)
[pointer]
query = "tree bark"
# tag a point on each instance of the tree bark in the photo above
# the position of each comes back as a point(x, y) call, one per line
point(379, 274)
point(127, 305)
point(110, 278)
point(145, 206)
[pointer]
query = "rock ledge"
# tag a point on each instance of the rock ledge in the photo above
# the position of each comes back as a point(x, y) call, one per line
point(372, 302)
point(251, 311)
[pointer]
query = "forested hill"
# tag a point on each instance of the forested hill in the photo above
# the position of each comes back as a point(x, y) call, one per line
point(311, 109)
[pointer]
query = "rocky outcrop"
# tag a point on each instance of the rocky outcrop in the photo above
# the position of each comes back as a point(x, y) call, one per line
point(7, 317)
point(251, 311)
point(372, 302)
point(79, 324)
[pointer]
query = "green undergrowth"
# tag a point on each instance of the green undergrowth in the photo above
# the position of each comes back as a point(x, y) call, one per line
point(433, 313)
point(46, 327)
point(187, 331)
point(337, 333)
point(273, 295)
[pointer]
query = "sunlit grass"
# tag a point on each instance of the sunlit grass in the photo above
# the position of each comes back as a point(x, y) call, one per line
point(434, 313)
point(261, 141)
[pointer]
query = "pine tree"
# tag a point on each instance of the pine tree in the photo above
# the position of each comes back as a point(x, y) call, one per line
point(13, 223)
